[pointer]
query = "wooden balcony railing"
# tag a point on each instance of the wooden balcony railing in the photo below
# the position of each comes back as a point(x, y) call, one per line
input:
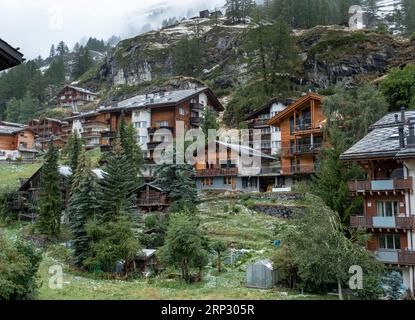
point(406, 257)
point(195, 121)
point(91, 134)
point(153, 145)
point(153, 130)
point(404, 223)
point(381, 185)
point(217, 172)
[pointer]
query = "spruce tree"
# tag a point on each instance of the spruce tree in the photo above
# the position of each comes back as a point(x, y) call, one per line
point(128, 140)
point(112, 233)
point(117, 184)
point(83, 205)
point(75, 152)
point(50, 196)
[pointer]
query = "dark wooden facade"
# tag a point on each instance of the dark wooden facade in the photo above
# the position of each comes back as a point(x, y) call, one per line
point(150, 198)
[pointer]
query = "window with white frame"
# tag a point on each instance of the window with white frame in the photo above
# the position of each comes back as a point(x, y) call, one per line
point(387, 208)
point(182, 112)
point(140, 124)
point(142, 140)
point(162, 123)
point(390, 241)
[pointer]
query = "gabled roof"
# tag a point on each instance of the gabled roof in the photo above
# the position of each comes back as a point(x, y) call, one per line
point(79, 89)
point(145, 254)
point(267, 106)
point(64, 171)
point(12, 124)
point(297, 104)
point(381, 142)
point(9, 56)
point(163, 99)
point(11, 130)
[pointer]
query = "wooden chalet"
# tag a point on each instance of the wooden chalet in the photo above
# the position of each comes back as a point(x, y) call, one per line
point(150, 198)
point(387, 156)
point(47, 129)
point(16, 142)
point(71, 96)
point(25, 199)
point(302, 139)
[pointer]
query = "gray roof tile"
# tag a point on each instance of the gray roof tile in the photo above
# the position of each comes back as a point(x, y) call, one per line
point(382, 141)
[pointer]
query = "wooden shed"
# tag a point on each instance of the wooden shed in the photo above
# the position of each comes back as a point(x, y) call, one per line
point(261, 275)
point(146, 261)
point(151, 198)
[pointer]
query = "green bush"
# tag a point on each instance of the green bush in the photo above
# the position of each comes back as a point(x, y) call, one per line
point(19, 263)
point(412, 37)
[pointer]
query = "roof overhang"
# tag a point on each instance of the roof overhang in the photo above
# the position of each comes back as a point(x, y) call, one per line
point(297, 104)
point(9, 56)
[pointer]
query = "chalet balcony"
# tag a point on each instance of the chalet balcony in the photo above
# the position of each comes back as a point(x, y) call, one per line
point(401, 223)
point(108, 134)
point(153, 145)
point(153, 130)
point(396, 257)
point(196, 106)
point(381, 186)
point(195, 121)
point(270, 170)
point(298, 170)
point(217, 172)
point(308, 149)
point(258, 123)
point(91, 134)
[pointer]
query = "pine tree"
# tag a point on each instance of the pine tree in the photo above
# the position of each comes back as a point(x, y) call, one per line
point(50, 196)
point(117, 184)
point(83, 206)
point(83, 62)
point(128, 139)
point(209, 121)
point(62, 49)
point(176, 181)
point(52, 52)
point(187, 57)
point(56, 74)
point(112, 233)
point(75, 152)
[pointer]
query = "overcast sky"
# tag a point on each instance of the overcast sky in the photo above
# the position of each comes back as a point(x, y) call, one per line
point(33, 25)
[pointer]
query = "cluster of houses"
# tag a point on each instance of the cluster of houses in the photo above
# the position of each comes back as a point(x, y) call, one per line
point(292, 135)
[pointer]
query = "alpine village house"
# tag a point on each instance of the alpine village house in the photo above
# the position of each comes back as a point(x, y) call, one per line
point(301, 125)
point(16, 140)
point(387, 155)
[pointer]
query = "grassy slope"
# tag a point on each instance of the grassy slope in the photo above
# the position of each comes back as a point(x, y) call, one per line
point(11, 173)
point(244, 230)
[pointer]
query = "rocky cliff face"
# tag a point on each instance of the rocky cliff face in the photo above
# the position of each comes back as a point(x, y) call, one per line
point(334, 56)
point(330, 56)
